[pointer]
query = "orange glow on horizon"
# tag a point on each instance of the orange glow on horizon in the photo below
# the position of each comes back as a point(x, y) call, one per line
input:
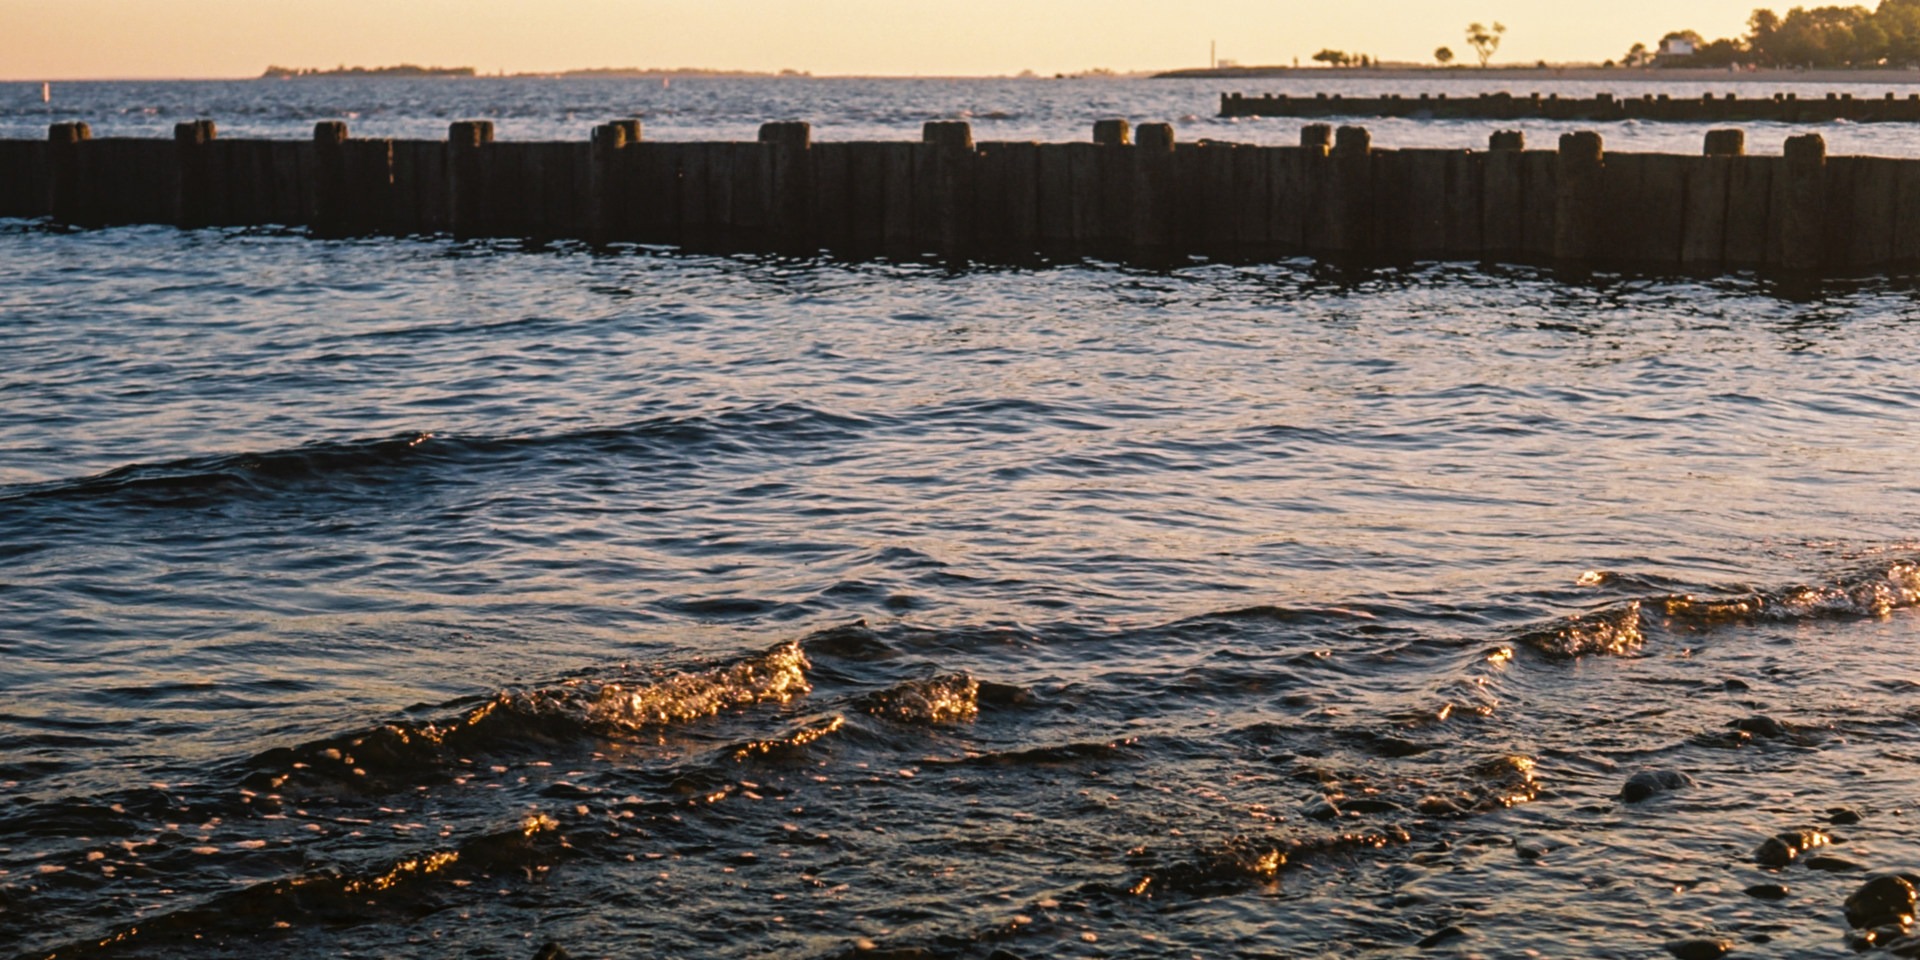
point(80, 39)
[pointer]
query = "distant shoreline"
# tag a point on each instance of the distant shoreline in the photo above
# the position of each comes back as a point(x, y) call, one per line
point(1584, 73)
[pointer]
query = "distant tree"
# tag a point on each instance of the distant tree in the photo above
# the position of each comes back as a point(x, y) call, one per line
point(1637, 56)
point(1484, 41)
point(1444, 55)
point(1334, 58)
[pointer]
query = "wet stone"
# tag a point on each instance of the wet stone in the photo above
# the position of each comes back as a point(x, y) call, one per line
point(1371, 805)
point(1767, 891)
point(552, 951)
point(1760, 725)
point(1446, 934)
point(1699, 948)
point(1885, 899)
point(1842, 816)
point(1781, 848)
point(1651, 783)
point(1324, 810)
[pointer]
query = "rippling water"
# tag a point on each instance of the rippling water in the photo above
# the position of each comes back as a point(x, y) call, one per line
point(422, 598)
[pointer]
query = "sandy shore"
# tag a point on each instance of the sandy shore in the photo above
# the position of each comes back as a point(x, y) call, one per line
point(1591, 74)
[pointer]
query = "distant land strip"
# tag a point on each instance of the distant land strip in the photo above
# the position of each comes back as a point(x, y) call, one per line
point(413, 71)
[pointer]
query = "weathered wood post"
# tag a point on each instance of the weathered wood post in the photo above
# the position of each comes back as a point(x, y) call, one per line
point(607, 201)
point(193, 145)
point(1152, 189)
point(1113, 139)
point(1707, 192)
point(1799, 199)
point(787, 210)
point(468, 206)
point(1348, 228)
point(1503, 195)
point(1726, 143)
point(1580, 188)
point(330, 199)
point(942, 185)
point(63, 161)
point(1112, 133)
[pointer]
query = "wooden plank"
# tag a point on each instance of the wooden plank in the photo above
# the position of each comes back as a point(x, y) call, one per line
point(1749, 210)
point(749, 196)
point(1465, 181)
point(1503, 202)
point(1053, 166)
point(1083, 166)
point(1288, 201)
point(867, 195)
point(1703, 243)
point(1862, 190)
point(828, 210)
point(1022, 198)
point(1540, 171)
point(1252, 168)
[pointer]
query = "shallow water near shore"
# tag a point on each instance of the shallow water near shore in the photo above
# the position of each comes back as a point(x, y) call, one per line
point(413, 598)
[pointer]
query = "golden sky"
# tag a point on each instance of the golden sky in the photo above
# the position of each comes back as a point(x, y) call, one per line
point(73, 39)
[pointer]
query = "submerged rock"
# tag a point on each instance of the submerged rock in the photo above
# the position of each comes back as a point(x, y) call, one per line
point(1767, 891)
point(1651, 783)
point(1842, 816)
point(1887, 898)
point(1699, 948)
point(1832, 864)
point(1445, 934)
point(1781, 848)
point(552, 951)
point(1761, 725)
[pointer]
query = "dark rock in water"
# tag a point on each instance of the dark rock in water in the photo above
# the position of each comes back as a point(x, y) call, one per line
point(1324, 810)
point(1652, 783)
point(1445, 934)
point(1842, 816)
point(1761, 726)
point(1434, 805)
point(1780, 849)
point(1832, 864)
point(1886, 898)
point(1767, 891)
point(1699, 948)
point(1370, 805)
point(552, 951)
point(1734, 683)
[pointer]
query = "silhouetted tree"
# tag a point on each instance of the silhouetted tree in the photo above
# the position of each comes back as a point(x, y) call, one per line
point(1484, 41)
point(1444, 56)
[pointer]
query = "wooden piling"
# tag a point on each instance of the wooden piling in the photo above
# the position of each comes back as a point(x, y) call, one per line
point(943, 176)
point(1580, 191)
point(1706, 188)
point(608, 202)
point(467, 202)
point(897, 226)
point(1502, 196)
point(828, 210)
point(196, 204)
point(867, 196)
point(63, 163)
point(789, 174)
point(1345, 215)
point(1799, 199)
point(1154, 200)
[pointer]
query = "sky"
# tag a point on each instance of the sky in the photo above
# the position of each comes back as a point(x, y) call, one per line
point(120, 39)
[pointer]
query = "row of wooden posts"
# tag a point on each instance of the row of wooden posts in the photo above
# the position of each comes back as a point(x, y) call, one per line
point(1125, 194)
point(1706, 108)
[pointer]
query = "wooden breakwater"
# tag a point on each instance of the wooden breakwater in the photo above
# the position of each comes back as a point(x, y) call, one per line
point(1605, 107)
point(1122, 196)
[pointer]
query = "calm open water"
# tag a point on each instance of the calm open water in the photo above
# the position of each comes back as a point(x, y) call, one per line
point(424, 599)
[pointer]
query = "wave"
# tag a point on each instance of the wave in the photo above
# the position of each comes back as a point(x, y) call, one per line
point(1621, 628)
